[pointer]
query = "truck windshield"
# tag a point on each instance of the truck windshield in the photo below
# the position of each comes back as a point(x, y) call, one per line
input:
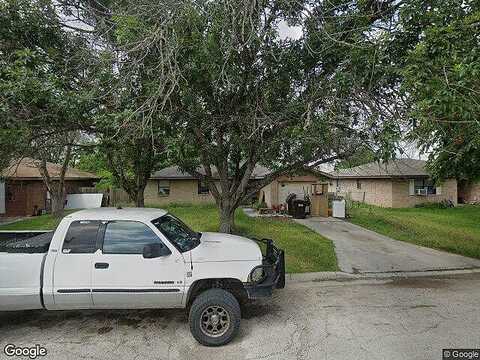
point(177, 232)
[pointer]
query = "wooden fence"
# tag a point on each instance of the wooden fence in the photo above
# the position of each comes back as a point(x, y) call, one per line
point(119, 197)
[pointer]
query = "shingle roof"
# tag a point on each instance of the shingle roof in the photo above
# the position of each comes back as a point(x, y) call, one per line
point(174, 172)
point(393, 168)
point(25, 169)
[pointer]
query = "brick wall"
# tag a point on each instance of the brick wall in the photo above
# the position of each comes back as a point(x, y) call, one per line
point(402, 197)
point(266, 192)
point(469, 192)
point(372, 191)
point(181, 191)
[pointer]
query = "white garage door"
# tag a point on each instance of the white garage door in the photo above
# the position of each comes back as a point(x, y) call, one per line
point(297, 188)
point(2, 197)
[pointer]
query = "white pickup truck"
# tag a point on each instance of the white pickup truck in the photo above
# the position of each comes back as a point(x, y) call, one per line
point(139, 258)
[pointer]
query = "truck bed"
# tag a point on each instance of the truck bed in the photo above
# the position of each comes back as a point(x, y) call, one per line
point(20, 281)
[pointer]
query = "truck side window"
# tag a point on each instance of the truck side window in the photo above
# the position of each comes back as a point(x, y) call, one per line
point(127, 237)
point(81, 237)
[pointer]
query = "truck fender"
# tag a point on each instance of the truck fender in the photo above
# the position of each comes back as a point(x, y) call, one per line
point(232, 285)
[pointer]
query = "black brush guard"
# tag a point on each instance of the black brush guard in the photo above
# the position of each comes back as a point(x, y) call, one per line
point(273, 266)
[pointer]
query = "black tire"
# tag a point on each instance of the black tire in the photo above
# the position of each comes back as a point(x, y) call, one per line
point(220, 299)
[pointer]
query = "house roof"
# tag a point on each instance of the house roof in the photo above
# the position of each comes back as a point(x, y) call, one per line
point(25, 169)
point(174, 172)
point(391, 169)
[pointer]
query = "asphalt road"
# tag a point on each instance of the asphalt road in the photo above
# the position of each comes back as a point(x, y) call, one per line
point(401, 319)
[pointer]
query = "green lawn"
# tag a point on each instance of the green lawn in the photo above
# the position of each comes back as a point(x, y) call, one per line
point(44, 222)
point(455, 230)
point(305, 250)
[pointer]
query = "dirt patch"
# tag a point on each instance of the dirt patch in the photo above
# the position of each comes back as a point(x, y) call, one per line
point(260, 310)
point(104, 330)
point(73, 315)
point(410, 283)
point(19, 317)
point(131, 322)
point(422, 306)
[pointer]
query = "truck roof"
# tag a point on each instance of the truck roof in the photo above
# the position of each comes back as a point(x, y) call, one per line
point(137, 214)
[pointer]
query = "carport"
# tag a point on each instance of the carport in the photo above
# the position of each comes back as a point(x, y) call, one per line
point(301, 184)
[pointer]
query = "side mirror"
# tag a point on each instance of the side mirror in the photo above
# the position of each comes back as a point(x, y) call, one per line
point(151, 251)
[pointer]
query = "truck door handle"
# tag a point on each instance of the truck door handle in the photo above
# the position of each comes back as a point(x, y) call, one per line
point(101, 265)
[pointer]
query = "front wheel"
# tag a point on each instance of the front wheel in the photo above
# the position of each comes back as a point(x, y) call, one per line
point(214, 317)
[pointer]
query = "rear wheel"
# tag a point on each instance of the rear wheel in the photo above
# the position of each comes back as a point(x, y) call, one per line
point(214, 317)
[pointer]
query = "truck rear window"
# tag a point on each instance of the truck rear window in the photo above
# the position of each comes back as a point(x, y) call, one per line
point(81, 237)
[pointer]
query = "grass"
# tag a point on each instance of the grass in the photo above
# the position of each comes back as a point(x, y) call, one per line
point(305, 250)
point(456, 230)
point(43, 222)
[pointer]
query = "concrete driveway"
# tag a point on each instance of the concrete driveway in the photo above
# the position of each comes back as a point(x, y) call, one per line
point(402, 319)
point(363, 251)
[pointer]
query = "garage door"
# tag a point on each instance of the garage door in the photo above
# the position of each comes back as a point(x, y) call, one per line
point(297, 188)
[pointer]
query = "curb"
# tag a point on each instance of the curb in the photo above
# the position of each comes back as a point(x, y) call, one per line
point(343, 276)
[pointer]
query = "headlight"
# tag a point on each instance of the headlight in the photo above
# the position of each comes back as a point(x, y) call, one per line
point(257, 275)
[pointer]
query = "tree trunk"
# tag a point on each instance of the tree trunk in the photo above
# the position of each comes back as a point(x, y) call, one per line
point(58, 203)
point(137, 196)
point(140, 198)
point(227, 218)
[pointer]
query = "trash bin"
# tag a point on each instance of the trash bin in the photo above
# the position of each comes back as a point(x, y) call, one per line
point(299, 209)
point(289, 200)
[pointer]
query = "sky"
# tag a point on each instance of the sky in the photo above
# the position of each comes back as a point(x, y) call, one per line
point(289, 32)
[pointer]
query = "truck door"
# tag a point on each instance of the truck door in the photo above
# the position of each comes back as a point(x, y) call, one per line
point(72, 276)
point(123, 278)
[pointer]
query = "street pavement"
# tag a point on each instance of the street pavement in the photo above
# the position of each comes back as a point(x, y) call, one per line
point(407, 318)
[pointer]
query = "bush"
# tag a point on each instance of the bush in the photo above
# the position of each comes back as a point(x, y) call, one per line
point(260, 205)
point(444, 204)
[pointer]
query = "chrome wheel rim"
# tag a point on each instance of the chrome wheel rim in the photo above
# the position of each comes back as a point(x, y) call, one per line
point(214, 321)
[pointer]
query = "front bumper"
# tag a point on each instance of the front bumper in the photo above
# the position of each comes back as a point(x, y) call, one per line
point(273, 265)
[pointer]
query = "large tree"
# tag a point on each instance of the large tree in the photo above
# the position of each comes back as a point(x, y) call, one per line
point(138, 77)
point(442, 77)
point(44, 89)
point(131, 158)
point(251, 97)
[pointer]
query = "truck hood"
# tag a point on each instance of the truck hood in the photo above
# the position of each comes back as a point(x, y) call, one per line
point(225, 247)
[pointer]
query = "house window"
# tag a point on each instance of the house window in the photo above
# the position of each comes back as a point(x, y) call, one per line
point(163, 187)
point(359, 185)
point(202, 187)
point(426, 184)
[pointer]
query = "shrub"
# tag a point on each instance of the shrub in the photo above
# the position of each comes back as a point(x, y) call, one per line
point(444, 204)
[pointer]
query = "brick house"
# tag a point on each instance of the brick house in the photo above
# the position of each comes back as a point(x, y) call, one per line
point(398, 183)
point(469, 192)
point(171, 185)
point(23, 193)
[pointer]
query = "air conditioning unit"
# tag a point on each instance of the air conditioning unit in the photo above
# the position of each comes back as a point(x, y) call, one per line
point(421, 192)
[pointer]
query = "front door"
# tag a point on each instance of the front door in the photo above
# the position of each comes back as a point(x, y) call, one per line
point(123, 278)
point(72, 279)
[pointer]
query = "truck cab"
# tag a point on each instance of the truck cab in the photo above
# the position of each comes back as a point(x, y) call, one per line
point(140, 258)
